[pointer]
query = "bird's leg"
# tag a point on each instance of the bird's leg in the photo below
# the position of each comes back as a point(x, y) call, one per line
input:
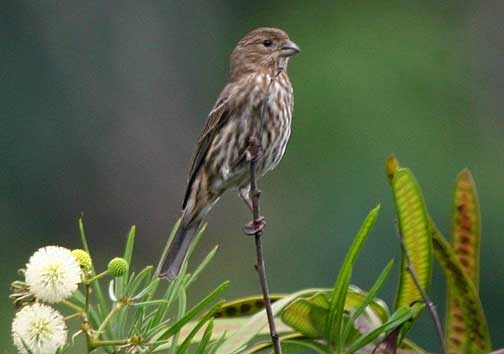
point(253, 226)
point(250, 194)
point(244, 192)
point(254, 150)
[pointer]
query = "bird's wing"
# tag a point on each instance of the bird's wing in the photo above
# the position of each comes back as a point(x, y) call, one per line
point(217, 118)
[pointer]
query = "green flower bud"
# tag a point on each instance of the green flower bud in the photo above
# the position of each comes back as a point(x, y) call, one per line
point(118, 267)
point(83, 258)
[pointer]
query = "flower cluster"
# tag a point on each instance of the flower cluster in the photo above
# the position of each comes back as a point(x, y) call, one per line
point(39, 328)
point(52, 275)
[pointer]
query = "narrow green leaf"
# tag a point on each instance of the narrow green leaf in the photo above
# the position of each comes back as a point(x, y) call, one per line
point(259, 347)
point(202, 348)
point(194, 311)
point(476, 325)
point(214, 347)
point(188, 340)
point(294, 346)
point(128, 250)
point(338, 311)
point(136, 280)
point(466, 235)
point(369, 298)
point(170, 295)
point(413, 347)
point(194, 276)
point(102, 303)
point(182, 298)
point(398, 318)
point(337, 301)
point(196, 240)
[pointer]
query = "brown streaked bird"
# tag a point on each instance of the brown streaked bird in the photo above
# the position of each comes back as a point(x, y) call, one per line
point(256, 102)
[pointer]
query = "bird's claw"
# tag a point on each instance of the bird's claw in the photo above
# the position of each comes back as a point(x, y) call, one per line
point(255, 227)
point(254, 150)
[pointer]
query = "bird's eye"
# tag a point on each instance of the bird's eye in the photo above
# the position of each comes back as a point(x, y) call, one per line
point(267, 43)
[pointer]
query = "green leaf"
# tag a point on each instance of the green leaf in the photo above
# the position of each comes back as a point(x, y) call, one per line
point(191, 314)
point(102, 303)
point(305, 317)
point(415, 233)
point(170, 295)
point(398, 318)
point(413, 347)
point(368, 299)
point(128, 250)
point(188, 340)
point(337, 301)
point(202, 348)
point(194, 276)
point(196, 240)
point(256, 323)
point(259, 347)
point(466, 235)
point(356, 296)
point(182, 299)
point(136, 280)
point(294, 346)
point(476, 325)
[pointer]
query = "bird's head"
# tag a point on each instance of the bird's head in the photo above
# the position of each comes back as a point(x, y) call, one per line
point(262, 50)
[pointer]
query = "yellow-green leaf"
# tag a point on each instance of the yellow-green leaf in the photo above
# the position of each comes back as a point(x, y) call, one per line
point(306, 317)
point(245, 306)
point(415, 232)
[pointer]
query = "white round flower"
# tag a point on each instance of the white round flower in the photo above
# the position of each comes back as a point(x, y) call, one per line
point(52, 274)
point(39, 328)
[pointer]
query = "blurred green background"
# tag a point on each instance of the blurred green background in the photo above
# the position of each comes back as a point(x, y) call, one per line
point(101, 104)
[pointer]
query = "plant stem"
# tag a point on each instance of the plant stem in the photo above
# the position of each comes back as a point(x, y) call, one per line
point(111, 314)
point(72, 316)
point(103, 343)
point(86, 316)
point(430, 305)
point(260, 267)
point(96, 277)
point(71, 305)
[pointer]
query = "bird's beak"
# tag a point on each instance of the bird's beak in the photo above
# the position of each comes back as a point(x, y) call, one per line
point(289, 49)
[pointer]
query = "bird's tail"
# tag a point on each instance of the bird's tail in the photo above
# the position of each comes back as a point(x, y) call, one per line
point(177, 251)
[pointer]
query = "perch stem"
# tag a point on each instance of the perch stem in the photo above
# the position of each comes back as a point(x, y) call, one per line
point(260, 267)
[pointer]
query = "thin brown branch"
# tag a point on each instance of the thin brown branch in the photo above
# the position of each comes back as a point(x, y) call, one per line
point(431, 307)
point(260, 267)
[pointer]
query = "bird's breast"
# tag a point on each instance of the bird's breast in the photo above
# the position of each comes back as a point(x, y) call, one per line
point(276, 122)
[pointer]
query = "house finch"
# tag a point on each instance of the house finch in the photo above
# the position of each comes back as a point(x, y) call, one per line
point(256, 103)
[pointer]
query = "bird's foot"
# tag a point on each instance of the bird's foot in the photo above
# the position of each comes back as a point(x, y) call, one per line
point(254, 150)
point(255, 227)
